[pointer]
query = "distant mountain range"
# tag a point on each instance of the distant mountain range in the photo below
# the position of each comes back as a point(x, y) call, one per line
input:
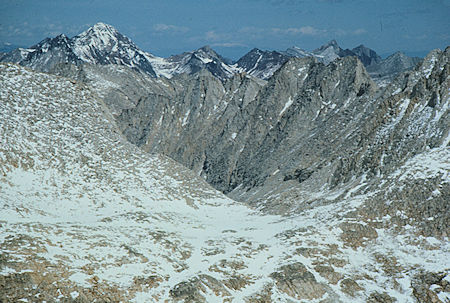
point(103, 44)
point(263, 64)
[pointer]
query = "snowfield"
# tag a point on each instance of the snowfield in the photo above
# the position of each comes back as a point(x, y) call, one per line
point(86, 214)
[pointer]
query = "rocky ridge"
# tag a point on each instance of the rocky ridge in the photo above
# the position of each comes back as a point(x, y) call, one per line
point(309, 116)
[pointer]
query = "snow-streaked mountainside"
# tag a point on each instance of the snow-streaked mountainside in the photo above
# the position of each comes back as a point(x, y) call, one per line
point(192, 62)
point(87, 216)
point(103, 44)
point(261, 64)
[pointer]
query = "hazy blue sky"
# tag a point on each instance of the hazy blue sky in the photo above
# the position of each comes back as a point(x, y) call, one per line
point(233, 27)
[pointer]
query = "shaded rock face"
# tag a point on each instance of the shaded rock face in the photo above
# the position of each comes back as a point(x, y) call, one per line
point(185, 125)
point(367, 56)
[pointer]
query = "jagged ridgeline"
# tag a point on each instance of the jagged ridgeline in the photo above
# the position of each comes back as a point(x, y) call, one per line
point(336, 162)
point(103, 44)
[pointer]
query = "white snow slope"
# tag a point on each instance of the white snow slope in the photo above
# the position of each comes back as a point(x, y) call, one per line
point(84, 209)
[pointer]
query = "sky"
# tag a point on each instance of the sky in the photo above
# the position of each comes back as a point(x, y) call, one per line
point(233, 27)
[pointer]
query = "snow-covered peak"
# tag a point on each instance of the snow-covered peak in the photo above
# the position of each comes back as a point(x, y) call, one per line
point(100, 26)
point(62, 37)
point(103, 44)
point(100, 37)
point(100, 30)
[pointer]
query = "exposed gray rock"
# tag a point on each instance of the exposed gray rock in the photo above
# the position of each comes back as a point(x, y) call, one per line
point(191, 290)
point(355, 234)
point(422, 286)
point(381, 298)
point(350, 287)
point(296, 281)
point(237, 132)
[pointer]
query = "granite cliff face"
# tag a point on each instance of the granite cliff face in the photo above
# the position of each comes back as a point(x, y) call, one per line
point(235, 133)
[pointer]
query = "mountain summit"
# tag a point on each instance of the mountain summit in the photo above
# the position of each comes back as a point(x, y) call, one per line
point(100, 44)
point(103, 44)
